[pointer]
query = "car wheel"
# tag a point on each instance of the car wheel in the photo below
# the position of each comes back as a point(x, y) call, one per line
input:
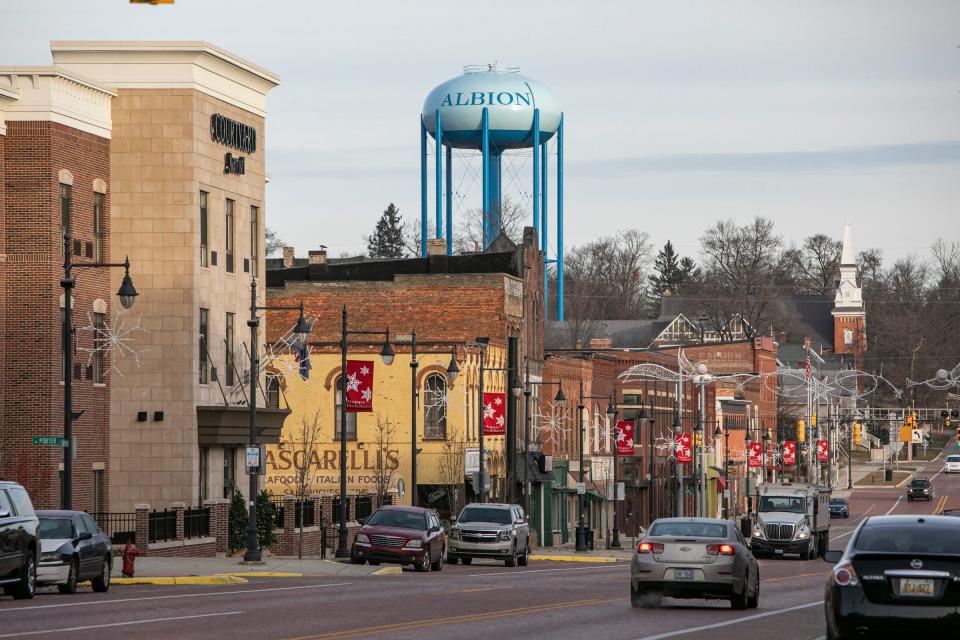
point(423, 564)
point(525, 558)
point(754, 601)
point(738, 601)
point(452, 559)
point(27, 587)
point(71, 584)
point(438, 565)
point(512, 560)
point(101, 584)
point(466, 560)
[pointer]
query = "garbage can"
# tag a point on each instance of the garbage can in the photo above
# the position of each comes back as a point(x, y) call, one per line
point(888, 475)
point(589, 540)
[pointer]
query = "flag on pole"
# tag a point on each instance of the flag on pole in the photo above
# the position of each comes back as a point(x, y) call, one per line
point(494, 414)
point(359, 386)
point(756, 455)
point(625, 438)
point(789, 453)
point(684, 452)
point(823, 450)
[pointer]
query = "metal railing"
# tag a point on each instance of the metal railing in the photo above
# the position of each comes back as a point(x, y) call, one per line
point(161, 525)
point(196, 522)
point(364, 507)
point(119, 526)
point(307, 508)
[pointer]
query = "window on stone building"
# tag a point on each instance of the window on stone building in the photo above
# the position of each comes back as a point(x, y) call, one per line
point(99, 233)
point(204, 341)
point(351, 417)
point(254, 241)
point(203, 491)
point(228, 338)
point(204, 231)
point(98, 491)
point(435, 407)
point(273, 392)
point(99, 346)
point(65, 197)
point(229, 471)
point(228, 248)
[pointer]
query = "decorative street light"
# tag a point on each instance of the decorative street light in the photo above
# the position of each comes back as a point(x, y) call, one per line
point(746, 487)
point(128, 295)
point(581, 539)
point(717, 433)
point(386, 355)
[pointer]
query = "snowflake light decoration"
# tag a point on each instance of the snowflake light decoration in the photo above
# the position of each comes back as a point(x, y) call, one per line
point(942, 381)
point(114, 339)
point(667, 445)
point(278, 363)
point(551, 426)
point(435, 403)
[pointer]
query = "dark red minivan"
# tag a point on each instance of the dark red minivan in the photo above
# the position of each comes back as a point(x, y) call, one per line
point(401, 535)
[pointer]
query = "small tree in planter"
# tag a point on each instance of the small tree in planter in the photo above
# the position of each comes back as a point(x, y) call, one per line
point(237, 522)
point(265, 534)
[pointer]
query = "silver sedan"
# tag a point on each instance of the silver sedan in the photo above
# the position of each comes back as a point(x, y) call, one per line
point(694, 558)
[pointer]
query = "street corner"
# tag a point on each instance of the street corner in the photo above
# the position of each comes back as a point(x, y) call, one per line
point(180, 580)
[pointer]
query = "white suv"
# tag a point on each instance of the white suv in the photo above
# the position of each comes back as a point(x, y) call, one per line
point(952, 464)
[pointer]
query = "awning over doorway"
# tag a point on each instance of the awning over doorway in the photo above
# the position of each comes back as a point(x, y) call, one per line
point(230, 425)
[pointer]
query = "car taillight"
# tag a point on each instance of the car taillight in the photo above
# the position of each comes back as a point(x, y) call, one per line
point(844, 575)
point(650, 547)
point(722, 549)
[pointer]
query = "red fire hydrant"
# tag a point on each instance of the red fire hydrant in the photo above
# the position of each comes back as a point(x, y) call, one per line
point(130, 553)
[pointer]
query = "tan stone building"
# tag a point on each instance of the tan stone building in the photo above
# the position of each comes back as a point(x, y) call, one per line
point(187, 206)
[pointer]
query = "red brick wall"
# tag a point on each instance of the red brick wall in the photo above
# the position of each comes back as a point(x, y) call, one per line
point(33, 154)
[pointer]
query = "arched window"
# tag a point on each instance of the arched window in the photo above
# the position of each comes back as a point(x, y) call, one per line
point(435, 407)
point(351, 417)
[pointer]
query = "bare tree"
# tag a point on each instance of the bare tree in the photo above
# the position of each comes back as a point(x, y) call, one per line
point(303, 444)
point(468, 230)
point(812, 268)
point(383, 440)
point(452, 468)
point(273, 242)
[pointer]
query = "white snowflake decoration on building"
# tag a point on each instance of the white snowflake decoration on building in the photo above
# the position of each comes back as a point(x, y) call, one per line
point(550, 427)
point(435, 402)
point(113, 339)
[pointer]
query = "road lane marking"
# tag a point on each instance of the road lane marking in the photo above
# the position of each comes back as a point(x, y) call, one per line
point(899, 498)
point(469, 617)
point(514, 574)
point(717, 625)
point(941, 503)
point(481, 589)
point(856, 524)
point(799, 575)
point(179, 595)
point(20, 634)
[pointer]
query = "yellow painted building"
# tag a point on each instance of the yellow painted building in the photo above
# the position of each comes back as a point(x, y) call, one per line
point(379, 442)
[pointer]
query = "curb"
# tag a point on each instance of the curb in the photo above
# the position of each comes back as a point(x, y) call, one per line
point(166, 580)
point(262, 574)
point(388, 571)
point(559, 558)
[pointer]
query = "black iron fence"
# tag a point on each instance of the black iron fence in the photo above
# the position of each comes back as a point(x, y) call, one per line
point(161, 525)
point(305, 510)
point(336, 511)
point(364, 507)
point(119, 526)
point(196, 522)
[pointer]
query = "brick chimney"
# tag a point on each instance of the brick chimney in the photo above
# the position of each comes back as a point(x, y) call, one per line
point(288, 256)
point(436, 246)
point(317, 257)
point(601, 343)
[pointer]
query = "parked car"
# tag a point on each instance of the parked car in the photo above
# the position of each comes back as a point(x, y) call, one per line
point(839, 508)
point(73, 549)
point(694, 558)
point(919, 489)
point(896, 576)
point(952, 464)
point(498, 531)
point(19, 541)
point(401, 535)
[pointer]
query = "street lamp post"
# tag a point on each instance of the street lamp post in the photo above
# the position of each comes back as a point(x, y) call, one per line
point(386, 355)
point(128, 295)
point(560, 398)
point(701, 379)
point(302, 332)
point(717, 434)
point(677, 469)
point(581, 539)
point(483, 342)
point(746, 486)
point(652, 496)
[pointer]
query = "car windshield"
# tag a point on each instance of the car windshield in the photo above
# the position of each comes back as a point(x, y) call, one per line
point(689, 529)
point(782, 503)
point(56, 528)
point(837, 501)
point(485, 514)
point(402, 519)
point(910, 538)
point(953, 458)
point(920, 484)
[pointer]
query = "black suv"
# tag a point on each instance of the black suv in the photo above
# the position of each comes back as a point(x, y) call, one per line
point(19, 541)
point(919, 489)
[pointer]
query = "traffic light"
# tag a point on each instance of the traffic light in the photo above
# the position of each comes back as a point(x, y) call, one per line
point(813, 420)
point(801, 426)
point(698, 438)
point(857, 433)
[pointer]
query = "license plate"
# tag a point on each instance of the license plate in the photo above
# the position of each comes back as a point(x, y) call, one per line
point(683, 574)
point(914, 587)
point(779, 552)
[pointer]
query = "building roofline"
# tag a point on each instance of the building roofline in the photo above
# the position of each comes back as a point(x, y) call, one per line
point(55, 71)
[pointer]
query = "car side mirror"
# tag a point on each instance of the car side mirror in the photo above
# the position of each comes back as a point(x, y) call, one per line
point(362, 521)
point(86, 535)
point(833, 557)
point(434, 529)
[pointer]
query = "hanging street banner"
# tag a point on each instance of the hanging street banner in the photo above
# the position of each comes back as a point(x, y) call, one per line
point(823, 450)
point(755, 459)
point(359, 386)
point(684, 448)
point(789, 453)
point(494, 414)
point(625, 438)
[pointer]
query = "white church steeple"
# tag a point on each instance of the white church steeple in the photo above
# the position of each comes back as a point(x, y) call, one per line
point(849, 315)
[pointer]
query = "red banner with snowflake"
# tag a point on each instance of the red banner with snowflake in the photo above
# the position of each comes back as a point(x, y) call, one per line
point(359, 386)
point(494, 414)
point(789, 453)
point(684, 448)
point(625, 438)
point(823, 450)
point(755, 459)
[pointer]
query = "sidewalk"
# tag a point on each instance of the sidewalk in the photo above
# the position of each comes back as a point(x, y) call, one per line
point(566, 553)
point(221, 570)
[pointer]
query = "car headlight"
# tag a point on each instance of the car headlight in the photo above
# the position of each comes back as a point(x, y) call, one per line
point(454, 534)
point(757, 533)
point(50, 556)
point(926, 490)
point(803, 535)
point(362, 537)
point(414, 544)
point(503, 535)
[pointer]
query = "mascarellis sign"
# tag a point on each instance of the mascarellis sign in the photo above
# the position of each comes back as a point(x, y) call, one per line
point(755, 459)
point(625, 438)
point(684, 448)
point(359, 386)
point(789, 453)
point(494, 414)
point(823, 450)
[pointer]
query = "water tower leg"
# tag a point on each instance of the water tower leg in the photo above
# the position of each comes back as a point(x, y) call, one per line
point(544, 168)
point(536, 168)
point(485, 150)
point(560, 220)
point(449, 201)
point(439, 179)
point(423, 189)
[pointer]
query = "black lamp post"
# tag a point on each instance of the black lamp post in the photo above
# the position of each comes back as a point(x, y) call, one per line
point(581, 539)
point(128, 295)
point(560, 399)
point(386, 355)
point(718, 432)
point(302, 331)
point(763, 457)
point(697, 466)
point(652, 496)
point(746, 487)
point(677, 471)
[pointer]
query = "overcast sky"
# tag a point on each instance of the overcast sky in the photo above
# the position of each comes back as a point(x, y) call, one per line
point(677, 113)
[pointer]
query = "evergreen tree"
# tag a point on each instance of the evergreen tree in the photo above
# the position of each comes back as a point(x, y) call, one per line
point(237, 522)
point(387, 239)
point(265, 521)
point(672, 272)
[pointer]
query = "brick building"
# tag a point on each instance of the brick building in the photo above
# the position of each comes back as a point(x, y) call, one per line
point(55, 141)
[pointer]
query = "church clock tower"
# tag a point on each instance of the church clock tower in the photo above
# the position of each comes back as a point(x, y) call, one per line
point(849, 316)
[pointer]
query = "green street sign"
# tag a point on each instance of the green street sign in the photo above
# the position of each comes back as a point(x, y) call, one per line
point(50, 441)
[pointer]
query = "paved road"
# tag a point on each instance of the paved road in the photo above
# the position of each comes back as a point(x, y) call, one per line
point(545, 599)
